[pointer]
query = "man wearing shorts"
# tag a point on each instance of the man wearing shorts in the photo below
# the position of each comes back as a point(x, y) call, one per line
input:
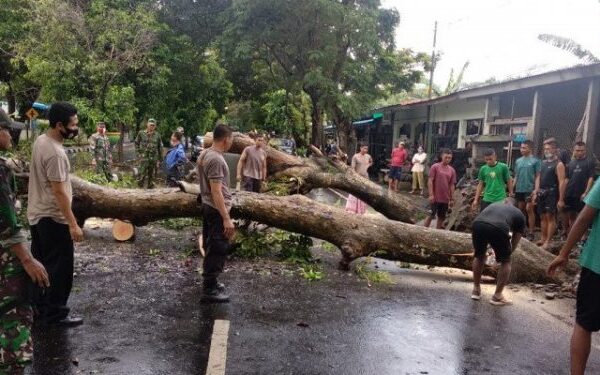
point(588, 298)
point(493, 226)
point(552, 175)
point(527, 173)
point(441, 184)
point(578, 181)
point(399, 156)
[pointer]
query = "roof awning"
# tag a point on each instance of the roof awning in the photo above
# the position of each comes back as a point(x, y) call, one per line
point(363, 122)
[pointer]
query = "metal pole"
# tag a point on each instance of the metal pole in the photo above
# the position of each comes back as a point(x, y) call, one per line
point(433, 62)
point(430, 89)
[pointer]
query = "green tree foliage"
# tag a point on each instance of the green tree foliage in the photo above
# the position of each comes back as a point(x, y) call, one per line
point(340, 53)
point(116, 60)
point(13, 16)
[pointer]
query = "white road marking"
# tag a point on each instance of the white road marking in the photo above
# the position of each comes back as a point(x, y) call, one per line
point(218, 348)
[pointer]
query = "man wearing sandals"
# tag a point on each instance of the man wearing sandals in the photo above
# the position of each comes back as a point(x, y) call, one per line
point(500, 225)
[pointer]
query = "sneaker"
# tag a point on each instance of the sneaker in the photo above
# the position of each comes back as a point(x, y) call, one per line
point(214, 296)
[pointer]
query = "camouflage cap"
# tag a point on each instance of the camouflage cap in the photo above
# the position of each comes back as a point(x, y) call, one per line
point(151, 121)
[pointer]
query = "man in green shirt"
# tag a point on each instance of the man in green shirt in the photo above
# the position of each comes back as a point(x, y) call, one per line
point(588, 293)
point(527, 183)
point(495, 177)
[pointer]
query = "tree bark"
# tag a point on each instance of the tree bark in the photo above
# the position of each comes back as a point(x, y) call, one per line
point(355, 235)
point(316, 137)
point(322, 172)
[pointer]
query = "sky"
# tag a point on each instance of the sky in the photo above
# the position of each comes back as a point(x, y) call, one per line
point(497, 37)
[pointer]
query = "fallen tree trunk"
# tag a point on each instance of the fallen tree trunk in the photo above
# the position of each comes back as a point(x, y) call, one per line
point(355, 235)
point(319, 171)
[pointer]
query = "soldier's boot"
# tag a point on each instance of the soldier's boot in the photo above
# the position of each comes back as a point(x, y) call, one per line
point(214, 292)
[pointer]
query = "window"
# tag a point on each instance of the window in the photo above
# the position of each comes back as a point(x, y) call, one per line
point(474, 127)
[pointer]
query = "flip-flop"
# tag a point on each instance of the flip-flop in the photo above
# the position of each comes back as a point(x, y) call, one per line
point(500, 302)
point(475, 297)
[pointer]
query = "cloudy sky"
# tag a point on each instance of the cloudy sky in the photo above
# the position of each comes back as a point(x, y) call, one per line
point(497, 37)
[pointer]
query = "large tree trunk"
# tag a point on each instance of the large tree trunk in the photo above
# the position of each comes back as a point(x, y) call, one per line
point(316, 137)
point(322, 172)
point(345, 132)
point(355, 235)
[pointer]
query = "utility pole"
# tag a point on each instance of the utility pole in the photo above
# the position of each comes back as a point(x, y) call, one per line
point(433, 62)
point(428, 130)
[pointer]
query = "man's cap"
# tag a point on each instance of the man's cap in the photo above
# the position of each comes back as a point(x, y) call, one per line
point(101, 124)
point(151, 121)
point(180, 129)
point(402, 143)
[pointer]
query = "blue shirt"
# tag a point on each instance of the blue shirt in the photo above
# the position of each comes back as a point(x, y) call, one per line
point(525, 171)
point(175, 156)
point(590, 257)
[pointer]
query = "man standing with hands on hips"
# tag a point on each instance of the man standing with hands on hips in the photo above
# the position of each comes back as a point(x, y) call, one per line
point(52, 222)
point(217, 226)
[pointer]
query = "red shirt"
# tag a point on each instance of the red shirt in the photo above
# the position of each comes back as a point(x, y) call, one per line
point(399, 156)
point(444, 176)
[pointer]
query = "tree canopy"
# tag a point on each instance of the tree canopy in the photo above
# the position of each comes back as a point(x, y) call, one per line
point(277, 65)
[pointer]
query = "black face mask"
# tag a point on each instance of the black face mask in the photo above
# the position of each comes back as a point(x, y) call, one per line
point(69, 133)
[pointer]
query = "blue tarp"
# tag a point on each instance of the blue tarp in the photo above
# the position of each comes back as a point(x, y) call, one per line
point(40, 106)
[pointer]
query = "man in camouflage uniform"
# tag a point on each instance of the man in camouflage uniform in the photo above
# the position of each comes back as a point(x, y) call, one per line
point(16, 262)
point(101, 151)
point(148, 147)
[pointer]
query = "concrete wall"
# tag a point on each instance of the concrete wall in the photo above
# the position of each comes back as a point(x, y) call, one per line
point(460, 110)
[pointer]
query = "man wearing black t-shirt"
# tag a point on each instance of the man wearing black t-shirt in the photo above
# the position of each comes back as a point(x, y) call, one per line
point(501, 226)
point(577, 183)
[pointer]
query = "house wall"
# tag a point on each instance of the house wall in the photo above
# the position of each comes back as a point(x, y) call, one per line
point(562, 108)
point(461, 110)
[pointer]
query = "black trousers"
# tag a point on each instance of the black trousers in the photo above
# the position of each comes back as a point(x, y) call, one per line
point(251, 184)
point(216, 245)
point(52, 245)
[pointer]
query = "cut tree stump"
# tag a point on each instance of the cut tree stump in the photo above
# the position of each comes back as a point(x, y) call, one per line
point(355, 235)
point(319, 171)
point(123, 230)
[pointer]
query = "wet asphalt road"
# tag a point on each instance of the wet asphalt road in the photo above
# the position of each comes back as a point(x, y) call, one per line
point(143, 316)
point(141, 305)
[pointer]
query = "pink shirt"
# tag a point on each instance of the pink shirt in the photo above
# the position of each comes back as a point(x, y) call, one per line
point(444, 176)
point(398, 157)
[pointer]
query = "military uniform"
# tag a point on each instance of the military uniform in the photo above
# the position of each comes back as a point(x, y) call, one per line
point(101, 152)
point(16, 315)
point(149, 150)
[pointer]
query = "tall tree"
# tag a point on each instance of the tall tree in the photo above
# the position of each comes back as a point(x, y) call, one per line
point(336, 52)
point(571, 46)
point(13, 26)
